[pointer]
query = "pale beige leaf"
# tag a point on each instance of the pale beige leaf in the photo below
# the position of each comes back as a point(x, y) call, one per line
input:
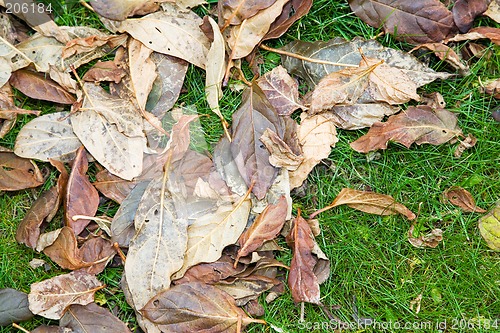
point(216, 68)
point(51, 297)
point(317, 134)
point(171, 32)
point(48, 137)
point(243, 38)
point(189, 3)
point(108, 128)
point(493, 11)
point(431, 239)
point(142, 70)
point(158, 247)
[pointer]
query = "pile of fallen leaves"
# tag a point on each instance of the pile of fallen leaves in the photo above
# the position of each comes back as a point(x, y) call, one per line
point(199, 231)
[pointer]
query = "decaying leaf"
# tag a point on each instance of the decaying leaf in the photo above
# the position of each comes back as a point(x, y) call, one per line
point(462, 198)
point(119, 10)
point(281, 154)
point(48, 137)
point(464, 12)
point(351, 117)
point(13, 307)
point(415, 22)
point(281, 90)
point(369, 202)
point(81, 197)
point(49, 298)
point(431, 239)
point(447, 54)
point(317, 135)
point(292, 11)
point(92, 318)
point(419, 125)
point(348, 52)
point(254, 115)
point(489, 226)
point(493, 11)
point(469, 142)
point(234, 12)
point(192, 307)
point(17, 173)
point(246, 289)
point(265, 227)
point(171, 32)
point(490, 33)
point(142, 70)
point(493, 88)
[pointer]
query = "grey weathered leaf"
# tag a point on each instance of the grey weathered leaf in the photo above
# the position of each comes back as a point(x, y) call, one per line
point(48, 137)
point(347, 52)
point(357, 116)
point(92, 318)
point(13, 307)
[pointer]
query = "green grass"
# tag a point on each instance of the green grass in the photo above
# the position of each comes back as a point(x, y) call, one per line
point(371, 258)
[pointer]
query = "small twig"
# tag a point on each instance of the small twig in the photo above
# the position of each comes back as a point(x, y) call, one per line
point(20, 328)
point(120, 252)
point(85, 217)
point(298, 56)
point(86, 5)
point(302, 312)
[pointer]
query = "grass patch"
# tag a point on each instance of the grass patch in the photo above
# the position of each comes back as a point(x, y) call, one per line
point(371, 260)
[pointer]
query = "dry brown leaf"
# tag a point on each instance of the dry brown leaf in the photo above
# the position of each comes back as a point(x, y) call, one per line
point(90, 43)
point(244, 290)
point(462, 198)
point(281, 154)
point(447, 54)
point(234, 12)
point(118, 10)
point(49, 298)
point(419, 125)
point(104, 71)
point(317, 135)
point(431, 239)
point(92, 318)
point(493, 88)
point(493, 11)
point(351, 117)
point(465, 11)
point(292, 11)
point(469, 142)
point(17, 173)
point(369, 202)
point(490, 33)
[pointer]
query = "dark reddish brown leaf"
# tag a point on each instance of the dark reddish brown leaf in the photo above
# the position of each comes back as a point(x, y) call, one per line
point(42, 211)
point(81, 197)
point(105, 71)
point(265, 227)
point(415, 22)
point(462, 198)
point(36, 85)
point(302, 279)
point(254, 115)
point(369, 202)
point(465, 11)
point(213, 272)
point(93, 256)
point(92, 318)
point(292, 12)
point(490, 33)
point(418, 125)
point(17, 173)
point(194, 307)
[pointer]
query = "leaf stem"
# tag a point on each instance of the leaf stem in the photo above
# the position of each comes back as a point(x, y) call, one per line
point(298, 56)
point(20, 328)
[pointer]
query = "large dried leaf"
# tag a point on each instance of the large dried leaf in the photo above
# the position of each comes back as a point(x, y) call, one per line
point(244, 37)
point(92, 318)
point(415, 22)
point(119, 10)
point(171, 32)
point(209, 234)
point(13, 307)
point(234, 12)
point(253, 117)
point(157, 250)
point(417, 125)
point(17, 173)
point(108, 127)
point(465, 11)
point(51, 297)
point(40, 212)
point(48, 137)
point(81, 197)
point(489, 226)
point(292, 12)
point(281, 90)
point(348, 52)
point(37, 86)
point(370, 202)
point(142, 70)
point(92, 257)
point(317, 135)
point(462, 198)
point(265, 227)
point(193, 307)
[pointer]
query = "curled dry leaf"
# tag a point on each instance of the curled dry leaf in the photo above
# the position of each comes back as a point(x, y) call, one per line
point(469, 142)
point(49, 298)
point(194, 307)
point(17, 173)
point(415, 22)
point(419, 125)
point(493, 88)
point(464, 12)
point(265, 227)
point(48, 137)
point(292, 12)
point(171, 32)
point(281, 154)
point(489, 226)
point(13, 307)
point(462, 198)
point(281, 90)
point(447, 54)
point(81, 197)
point(369, 202)
point(104, 71)
point(92, 318)
point(316, 134)
point(431, 239)
point(490, 33)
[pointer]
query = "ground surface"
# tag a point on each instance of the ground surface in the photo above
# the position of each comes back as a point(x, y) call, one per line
point(371, 259)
